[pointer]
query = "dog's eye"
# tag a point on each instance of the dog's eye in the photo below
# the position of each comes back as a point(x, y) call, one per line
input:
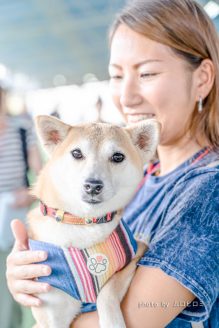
point(77, 154)
point(117, 158)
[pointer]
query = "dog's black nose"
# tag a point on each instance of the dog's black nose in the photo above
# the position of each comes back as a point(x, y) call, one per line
point(93, 187)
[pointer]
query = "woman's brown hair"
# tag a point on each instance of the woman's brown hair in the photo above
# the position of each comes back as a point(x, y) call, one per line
point(184, 26)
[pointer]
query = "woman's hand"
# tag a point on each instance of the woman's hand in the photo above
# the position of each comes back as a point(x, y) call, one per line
point(22, 269)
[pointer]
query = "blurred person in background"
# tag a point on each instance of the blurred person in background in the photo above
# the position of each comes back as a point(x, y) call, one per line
point(18, 154)
point(164, 63)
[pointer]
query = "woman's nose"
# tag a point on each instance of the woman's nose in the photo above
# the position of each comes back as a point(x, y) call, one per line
point(130, 95)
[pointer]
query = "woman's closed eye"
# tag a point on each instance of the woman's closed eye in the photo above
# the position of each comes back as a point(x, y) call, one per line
point(116, 77)
point(147, 75)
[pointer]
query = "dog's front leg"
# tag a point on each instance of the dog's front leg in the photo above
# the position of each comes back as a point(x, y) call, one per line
point(57, 311)
point(111, 295)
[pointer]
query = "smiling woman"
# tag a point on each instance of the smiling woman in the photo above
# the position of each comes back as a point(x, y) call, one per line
point(156, 86)
point(164, 63)
point(145, 63)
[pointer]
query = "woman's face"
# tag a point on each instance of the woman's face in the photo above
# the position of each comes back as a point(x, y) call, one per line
point(149, 80)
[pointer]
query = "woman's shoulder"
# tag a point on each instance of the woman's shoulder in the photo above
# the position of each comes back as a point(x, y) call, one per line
point(203, 176)
point(194, 199)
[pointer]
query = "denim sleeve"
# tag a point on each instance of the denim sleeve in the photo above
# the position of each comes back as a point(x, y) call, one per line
point(186, 245)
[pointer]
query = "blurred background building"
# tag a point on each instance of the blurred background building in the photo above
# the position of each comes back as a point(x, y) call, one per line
point(55, 54)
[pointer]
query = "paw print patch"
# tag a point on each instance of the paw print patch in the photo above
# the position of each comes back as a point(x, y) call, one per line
point(98, 264)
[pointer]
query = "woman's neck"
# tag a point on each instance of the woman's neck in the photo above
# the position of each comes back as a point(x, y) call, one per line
point(171, 156)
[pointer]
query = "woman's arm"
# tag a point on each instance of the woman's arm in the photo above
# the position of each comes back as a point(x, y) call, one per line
point(153, 300)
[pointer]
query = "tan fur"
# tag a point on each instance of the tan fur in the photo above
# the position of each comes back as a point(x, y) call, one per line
point(60, 186)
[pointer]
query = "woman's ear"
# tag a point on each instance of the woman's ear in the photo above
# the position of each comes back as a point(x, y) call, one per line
point(205, 76)
point(51, 131)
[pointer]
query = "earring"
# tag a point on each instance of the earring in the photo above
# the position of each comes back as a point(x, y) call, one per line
point(200, 104)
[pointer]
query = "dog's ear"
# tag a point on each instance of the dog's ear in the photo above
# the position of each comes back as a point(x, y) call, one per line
point(145, 136)
point(51, 131)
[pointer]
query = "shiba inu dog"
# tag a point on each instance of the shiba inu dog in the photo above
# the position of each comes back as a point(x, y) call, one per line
point(93, 172)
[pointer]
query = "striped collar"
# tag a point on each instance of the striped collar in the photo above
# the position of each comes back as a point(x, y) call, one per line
point(65, 217)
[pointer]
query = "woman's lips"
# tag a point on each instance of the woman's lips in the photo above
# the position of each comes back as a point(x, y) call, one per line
point(138, 117)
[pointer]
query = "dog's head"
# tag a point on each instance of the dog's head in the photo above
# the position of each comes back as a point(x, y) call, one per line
point(93, 168)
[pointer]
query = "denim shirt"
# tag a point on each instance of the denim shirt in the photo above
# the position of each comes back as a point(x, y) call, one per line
point(177, 215)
